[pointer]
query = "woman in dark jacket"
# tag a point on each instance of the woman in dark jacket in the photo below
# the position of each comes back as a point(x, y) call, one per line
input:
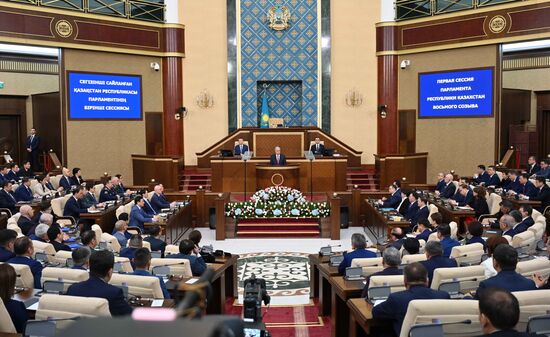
point(16, 309)
point(479, 203)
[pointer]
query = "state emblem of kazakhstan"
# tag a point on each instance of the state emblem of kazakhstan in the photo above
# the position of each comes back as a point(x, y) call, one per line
point(278, 17)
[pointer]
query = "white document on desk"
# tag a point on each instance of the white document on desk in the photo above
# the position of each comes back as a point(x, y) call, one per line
point(33, 307)
point(157, 303)
point(191, 280)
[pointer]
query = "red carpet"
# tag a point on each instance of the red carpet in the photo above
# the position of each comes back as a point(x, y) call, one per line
point(296, 321)
point(278, 228)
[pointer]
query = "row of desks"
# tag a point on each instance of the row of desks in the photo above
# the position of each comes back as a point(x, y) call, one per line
point(341, 299)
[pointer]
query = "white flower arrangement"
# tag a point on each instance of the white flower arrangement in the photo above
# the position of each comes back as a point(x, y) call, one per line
point(277, 202)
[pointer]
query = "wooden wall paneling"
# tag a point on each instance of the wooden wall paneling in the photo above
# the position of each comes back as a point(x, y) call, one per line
point(515, 110)
point(543, 123)
point(46, 115)
point(172, 75)
point(387, 96)
point(407, 131)
point(14, 132)
point(154, 133)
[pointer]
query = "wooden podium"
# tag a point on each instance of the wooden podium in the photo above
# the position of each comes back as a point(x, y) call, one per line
point(267, 176)
point(412, 166)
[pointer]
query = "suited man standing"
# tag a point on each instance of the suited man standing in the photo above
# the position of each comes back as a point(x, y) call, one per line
point(416, 284)
point(543, 194)
point(318, 149)
point(101, 271)
point(277, 159)
point(241, 148)
point(138, 217)
point(7, 199)
point(33, 147)
point(23, 192)
point(24, 250)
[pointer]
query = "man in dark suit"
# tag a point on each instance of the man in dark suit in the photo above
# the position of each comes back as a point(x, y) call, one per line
point(56, 239)
point(505, 259)
point(440, 186)
point(3, 174)
point(405, 203)
point(544, 169)
point(65, 180)
point(513, 182)
point(395, 307)
point(190, 252)
point(13, 169)
point(444, 235)
point(148, 207)
point(24, 251)
point(318, 149)
point(81, 258)
point(25, 220)
point(394, 199)
point(499, 314)
point(449, 189)
point(240, 148)
point(142, 262)
point(77, 179)
point(277, 159)
point(89, 199)
point(119, 186)
point(435, 258)
point(358, 246)
point(424, 230)
point(482, 177)
point(543, 194)
point(107, 192)
point(494, 180)
point(391, 260)
point(7, 240)
point(526, 219)
point(532, 166)
point(24, 192)
point(526, 188)
point(467, 196)
point(73, 207)
point(422, 212)
point(25, 171)
point(7, 199)
point(32, 145)
point(507, 224)
point(135, 243)
point(396, 238)
point(157, 245)
point(138, 217)
point(101, 270)
point(159, 201)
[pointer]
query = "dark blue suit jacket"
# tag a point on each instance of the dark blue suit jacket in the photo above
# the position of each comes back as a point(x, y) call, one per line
point(129, 253)
point(34, 144)
point(12, 176)
point(494, 180)
point(544, 173)
point(238, 151)
point(107, 194)
point(464, 200)
point(393, 201)
point(5, 254)
point(18, 314)
point(524, 225)
point(354, 254)
point(7, 200)
point(440, 186)
point(386, 271)
point(395, 307)
point(157, 245)
point(543, 195)
point(66, 183)
point(483, 178)
point(422, 213)
point(424, 235)
point(273, 160)
point(36, 268)
point(515, 186)
point(73, 207)
point(23, 193)
point(161, 281)
point(96, 287)
point(508, 280)
point(448, 243)
point(25, 224)
point(511, 232)
point(159, 202)
point(437, 262)
point(411, 210)
point(148, 208)
point(528, 189)
point(198, 266)
point(138, 217)
point(449, 190)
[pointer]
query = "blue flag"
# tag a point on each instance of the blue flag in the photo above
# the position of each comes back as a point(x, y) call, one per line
point(264, 118)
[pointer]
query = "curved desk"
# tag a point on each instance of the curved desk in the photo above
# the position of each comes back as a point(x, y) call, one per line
point(267, 176)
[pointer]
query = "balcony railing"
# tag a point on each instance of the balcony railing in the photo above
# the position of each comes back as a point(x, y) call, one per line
point(145, 10)
point(413, 9)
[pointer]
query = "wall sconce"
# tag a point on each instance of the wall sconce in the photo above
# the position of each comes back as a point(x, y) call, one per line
point(354, 98)
point(383, 111)
point(205, 100)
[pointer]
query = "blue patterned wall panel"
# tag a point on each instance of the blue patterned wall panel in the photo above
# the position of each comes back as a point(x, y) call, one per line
point(284, 99)
point(289, 55)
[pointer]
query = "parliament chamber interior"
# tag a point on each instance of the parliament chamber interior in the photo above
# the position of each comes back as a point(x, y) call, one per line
point(257, 168)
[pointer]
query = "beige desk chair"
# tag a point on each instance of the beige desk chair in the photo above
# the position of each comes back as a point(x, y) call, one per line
point(14, 218)
point(150, 195)
point(408, 259)
point(97, 189)
point(16, 228)
point(25, 278)
point(370, 265)
point(65, 275)
point(423, 311)
point(525, 242)
point(62, 256)
point(45, 248)
point(112, 242)
point(433, 237)
point(433, 209)
point(144, 286)
point(454, 229)
point(385, 284)
point(177, 266)
point(66, 307)
point(539, 266)
point(124, 264)
point(531, 303)
point(125, 209)
point(461, 279)
point(468, 255)
point(55, 180)
point(98, 232)
point(171, 249)
point(6, 324)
